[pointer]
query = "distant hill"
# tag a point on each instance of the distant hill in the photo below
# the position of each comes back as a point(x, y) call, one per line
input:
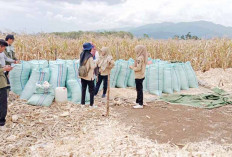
point(202, 29)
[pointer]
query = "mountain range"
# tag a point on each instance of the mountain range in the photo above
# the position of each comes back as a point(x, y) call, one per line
point(165, 30)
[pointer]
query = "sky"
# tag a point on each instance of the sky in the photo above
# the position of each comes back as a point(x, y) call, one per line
point(32, 16)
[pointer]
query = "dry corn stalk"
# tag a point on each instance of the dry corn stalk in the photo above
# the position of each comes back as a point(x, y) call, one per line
point(203, 54)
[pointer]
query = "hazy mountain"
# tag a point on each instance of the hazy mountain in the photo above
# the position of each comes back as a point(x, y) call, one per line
point(202, 29)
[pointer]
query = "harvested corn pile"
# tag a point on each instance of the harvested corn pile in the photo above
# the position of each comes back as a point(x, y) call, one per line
point(69, 130)
point(217, 78)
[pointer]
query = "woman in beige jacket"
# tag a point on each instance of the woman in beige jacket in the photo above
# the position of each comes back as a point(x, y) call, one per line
point(139, 69)
point(105, 64)
point(86, 59)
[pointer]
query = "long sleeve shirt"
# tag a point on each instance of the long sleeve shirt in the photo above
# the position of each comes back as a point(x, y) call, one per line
point(4, 59)
point(3, 82)
point(140, 68)
point(10, 53)
point(90, 65)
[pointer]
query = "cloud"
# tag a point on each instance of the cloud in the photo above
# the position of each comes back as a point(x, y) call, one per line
point(74, 15)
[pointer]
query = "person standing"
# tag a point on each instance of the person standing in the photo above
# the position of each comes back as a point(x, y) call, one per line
point(105, 64)
point(3, 84)
point(139, 68)
point(10, 51)
point(95, 54)
point(86, 73)
point(4, 59)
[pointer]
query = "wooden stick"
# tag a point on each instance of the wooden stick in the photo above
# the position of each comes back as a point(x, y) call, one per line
point(55, 54)
point(117, 54)
point(108, 97)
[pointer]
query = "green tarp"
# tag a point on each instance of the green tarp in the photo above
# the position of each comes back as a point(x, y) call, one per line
point(212, 100)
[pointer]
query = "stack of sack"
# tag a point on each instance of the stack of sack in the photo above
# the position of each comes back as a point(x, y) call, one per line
point(25, 76)
point(43, 95)
point(160, 77)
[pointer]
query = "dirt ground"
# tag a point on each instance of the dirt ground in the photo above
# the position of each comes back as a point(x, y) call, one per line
point(166, 123)
point(160, 129)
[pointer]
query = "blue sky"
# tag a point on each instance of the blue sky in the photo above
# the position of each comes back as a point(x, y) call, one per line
point(34, 16)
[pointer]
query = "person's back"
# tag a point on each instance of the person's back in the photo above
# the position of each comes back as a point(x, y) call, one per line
point(87, 65)
point(90, 69)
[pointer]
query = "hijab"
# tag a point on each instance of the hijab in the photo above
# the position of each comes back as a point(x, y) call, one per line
point(85, 55)
point(105, 58)
point(141, 50)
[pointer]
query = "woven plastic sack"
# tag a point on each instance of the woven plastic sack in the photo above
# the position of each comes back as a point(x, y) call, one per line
point(37, 77)
point(145, 81)
point(180, 69)
point(123, 75)
point(19, 76)
point(38, 64)
point(176, 80)
point(58, 73)
point(155, 79)
point(191, 75)
point(41, 100)
point(43, 88)
point(168, 79)
point(72, 73)
point(131, 80)
point(72, 69)
point(75, 87)
point(114, 74)
point(58, 61)
point(42, 97)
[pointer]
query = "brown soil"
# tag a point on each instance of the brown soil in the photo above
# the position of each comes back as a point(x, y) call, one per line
point(178, 124)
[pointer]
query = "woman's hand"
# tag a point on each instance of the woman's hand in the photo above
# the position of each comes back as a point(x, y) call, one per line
point(131, 67)
point(17, 62)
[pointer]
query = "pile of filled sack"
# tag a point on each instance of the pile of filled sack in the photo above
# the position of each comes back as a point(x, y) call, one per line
point(36, 80)
point(160, 77)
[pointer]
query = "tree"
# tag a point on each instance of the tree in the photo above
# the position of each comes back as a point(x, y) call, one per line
point(176, 37)
point(182, 37)
point(145, 35)
point(188, 36)
point(195, 37)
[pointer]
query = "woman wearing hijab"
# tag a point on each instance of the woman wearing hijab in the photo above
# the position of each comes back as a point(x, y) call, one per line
point(105, 64)
point(86, 59)
point(139, 68)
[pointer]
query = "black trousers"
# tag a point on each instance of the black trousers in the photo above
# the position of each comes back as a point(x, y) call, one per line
point(139, 89)
point(84, 84)
point(100, 79)
point(3, 106)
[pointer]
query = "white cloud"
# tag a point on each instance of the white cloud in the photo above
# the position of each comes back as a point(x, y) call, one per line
point(74, 15)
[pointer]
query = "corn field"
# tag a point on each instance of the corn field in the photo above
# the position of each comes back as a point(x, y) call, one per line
point(203, 54)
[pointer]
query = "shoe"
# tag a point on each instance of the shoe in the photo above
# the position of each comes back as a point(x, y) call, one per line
point(2, 123)
point(3, 128)
point(93, 106)
point(103, 95)
point(82, 106)
point(138, 106)
point(135, 103)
